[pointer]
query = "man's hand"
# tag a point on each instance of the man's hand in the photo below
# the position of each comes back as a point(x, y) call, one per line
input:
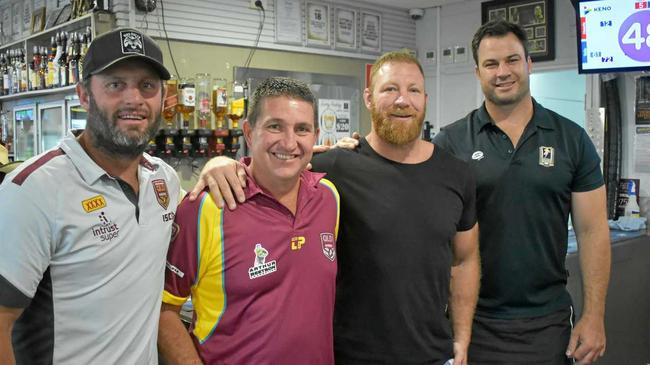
point(460, 353)
point(224, 176)
point(587, 343)
point(348, 143)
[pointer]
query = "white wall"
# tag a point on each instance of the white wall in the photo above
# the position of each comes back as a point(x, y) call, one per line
point(234, 23)
point(459, 90)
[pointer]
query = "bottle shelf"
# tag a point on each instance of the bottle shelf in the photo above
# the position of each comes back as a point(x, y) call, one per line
point(33, 93)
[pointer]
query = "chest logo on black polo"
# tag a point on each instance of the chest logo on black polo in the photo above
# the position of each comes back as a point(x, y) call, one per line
point(260, 266)
point(478, 155)
point(546, 156)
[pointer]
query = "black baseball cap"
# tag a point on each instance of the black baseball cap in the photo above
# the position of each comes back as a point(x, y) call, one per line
point(119, 45)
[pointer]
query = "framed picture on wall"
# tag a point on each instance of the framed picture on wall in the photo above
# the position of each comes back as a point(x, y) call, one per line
point(318, 24)
point(535, 16)
point(288, 21)
point(346, 28)
point(370, 31)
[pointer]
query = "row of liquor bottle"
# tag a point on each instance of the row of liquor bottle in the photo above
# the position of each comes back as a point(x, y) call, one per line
point(58, 65)
point(188, 110)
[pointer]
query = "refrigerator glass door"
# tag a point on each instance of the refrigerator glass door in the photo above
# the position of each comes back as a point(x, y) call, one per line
point(24, 133)
point(51, 125)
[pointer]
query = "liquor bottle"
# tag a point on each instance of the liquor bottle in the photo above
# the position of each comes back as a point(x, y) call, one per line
point(36, 68)
point(237, 104)
point(63, 60)
point(56, 70)
point(6, 74)
point(219, 102)
point(186, 101)
point(24, 72)
point(73, 61)
point(83, 41)
point(42, 72)
point(31, 84)
point(171, 102)
point(51, 69)
point(203, 100)
point(3, 70)
point(15, 71)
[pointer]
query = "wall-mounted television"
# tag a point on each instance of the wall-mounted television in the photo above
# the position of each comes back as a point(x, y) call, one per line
point(613, 35)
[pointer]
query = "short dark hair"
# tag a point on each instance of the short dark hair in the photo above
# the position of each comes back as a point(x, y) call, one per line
point(280, 86)
point(498, 28)
point(401, 56)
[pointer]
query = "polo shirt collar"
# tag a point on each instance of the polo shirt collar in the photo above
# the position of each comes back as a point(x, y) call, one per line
point(540, 119)
point(88, 169)
point(308, 181)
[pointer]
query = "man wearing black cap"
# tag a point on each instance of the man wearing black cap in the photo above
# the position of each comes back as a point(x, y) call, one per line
point(85, 225)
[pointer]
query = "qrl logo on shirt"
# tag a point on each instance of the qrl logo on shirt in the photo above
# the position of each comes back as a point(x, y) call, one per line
point(162, 195)
point(329, 245)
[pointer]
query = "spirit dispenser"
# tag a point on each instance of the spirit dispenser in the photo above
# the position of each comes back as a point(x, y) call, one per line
point(186, 102)
point(237, 110)
point(219, 108)
point(203, 131)
point(166, 135)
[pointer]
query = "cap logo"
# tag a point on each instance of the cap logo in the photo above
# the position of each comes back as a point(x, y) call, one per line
point(132, 42)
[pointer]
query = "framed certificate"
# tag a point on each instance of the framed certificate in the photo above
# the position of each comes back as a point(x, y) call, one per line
point(318, 24)
point(288, 21)
point(370, 31)
point(345, 28)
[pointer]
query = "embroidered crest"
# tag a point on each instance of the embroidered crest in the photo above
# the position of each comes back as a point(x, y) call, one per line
point(132, 42)
point(329, 245)
point(546, 156)
point(162, 195)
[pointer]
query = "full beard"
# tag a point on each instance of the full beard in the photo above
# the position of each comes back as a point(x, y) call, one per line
point(396, 133)
point(110, 139)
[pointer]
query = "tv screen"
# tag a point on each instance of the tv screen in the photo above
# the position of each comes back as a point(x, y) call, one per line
point(613, 35)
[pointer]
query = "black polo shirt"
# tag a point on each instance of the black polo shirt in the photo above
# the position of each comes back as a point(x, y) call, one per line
point(523, 205)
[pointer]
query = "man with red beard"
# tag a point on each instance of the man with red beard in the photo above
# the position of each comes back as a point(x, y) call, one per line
point(85, 225)
point(407, 244)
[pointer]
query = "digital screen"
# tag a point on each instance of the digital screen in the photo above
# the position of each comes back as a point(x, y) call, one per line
point(613, 35)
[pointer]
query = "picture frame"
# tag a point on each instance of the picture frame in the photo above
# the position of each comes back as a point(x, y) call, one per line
point(345, 28)
point(535, 16)
point(318, 24)
point(38, 20)
point(371, 31)
point(288, 22)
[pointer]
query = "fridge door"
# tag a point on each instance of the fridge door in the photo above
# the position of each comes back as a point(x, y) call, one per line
point(76, 116)
point(51, 124)
point(25, 135)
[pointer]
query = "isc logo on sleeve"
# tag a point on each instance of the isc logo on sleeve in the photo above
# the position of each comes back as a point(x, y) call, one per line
point(94, 203)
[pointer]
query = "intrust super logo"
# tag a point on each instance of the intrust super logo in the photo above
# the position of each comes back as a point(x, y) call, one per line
point(94, 203)
point(105, 230)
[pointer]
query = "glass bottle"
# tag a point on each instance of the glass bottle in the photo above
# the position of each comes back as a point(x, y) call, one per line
point(171, 102)
point(186, 101)
point(203, 100)
point(237, 104)
point(219, 102)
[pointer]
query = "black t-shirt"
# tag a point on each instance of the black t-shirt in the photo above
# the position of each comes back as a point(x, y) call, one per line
point(394, 252)
point(523, 204)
